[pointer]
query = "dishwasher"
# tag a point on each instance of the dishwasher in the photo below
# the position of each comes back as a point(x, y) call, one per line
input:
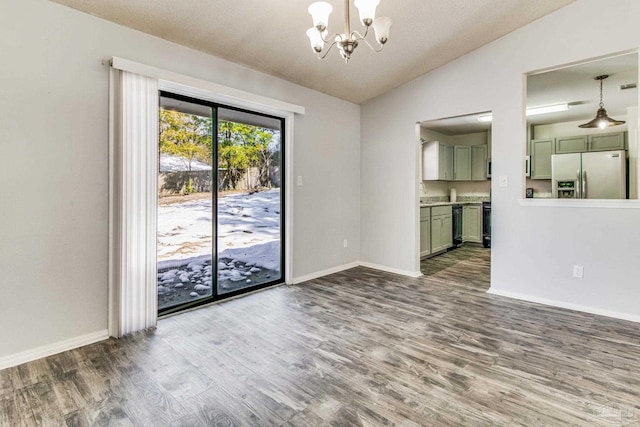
point(456, 223)
point(486, 224)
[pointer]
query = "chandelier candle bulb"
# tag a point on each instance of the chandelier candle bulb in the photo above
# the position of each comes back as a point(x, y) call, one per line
point(381, 26)
point(316, 39)
point(367, 9)
point(320, 12)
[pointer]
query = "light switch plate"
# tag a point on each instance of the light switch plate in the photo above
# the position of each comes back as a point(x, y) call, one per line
point(299, 180)
point(504, 181)
point(578, 271)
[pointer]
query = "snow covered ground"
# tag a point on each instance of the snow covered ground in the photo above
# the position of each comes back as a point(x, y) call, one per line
point(248, 245)
point(169, 163)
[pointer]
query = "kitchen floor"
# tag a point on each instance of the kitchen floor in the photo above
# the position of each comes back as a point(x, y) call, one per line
point(469, 266)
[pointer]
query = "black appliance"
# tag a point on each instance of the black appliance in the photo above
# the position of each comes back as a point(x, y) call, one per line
point(486, 224)
point(456, 222)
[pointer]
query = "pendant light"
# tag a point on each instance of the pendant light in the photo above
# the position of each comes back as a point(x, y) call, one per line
point(602, 120)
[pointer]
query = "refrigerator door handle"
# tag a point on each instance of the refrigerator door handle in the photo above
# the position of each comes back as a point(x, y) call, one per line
point(584, 184)
point(579, 185)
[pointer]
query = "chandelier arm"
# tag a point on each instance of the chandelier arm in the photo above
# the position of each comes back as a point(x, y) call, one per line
point(357, 36)
point(373, 48)
point(333, 36)
point(327, 51)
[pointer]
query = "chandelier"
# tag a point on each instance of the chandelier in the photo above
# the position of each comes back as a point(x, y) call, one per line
point(601, 120)
point(347, 41)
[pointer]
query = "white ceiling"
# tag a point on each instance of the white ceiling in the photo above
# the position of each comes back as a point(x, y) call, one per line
point(269, 36)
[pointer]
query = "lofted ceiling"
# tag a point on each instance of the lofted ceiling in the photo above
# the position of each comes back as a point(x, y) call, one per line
point(269, 36)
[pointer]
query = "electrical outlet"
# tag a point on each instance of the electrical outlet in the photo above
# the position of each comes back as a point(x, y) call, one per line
point(504, 181)
point(345, 243)
point(299, 180)
point(578, 271)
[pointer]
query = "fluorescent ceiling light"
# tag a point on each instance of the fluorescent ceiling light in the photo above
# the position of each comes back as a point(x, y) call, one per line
point(532, 111)
point(547, 109)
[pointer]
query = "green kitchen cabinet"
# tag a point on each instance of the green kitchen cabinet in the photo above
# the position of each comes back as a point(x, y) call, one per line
point(441, 228)
point(593, 142)
point(437, 161)
point(541, 151)
point(606, 142)
point(462, 163)
point(571, 144)
point(425, 231)
point(478, 163)
point(472, 223)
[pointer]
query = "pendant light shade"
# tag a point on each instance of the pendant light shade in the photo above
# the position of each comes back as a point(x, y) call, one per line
point(601, 120)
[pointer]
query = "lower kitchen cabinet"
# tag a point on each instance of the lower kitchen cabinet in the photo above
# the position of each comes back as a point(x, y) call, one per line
point(425, 231)
point(441, 228)
point(472, 223)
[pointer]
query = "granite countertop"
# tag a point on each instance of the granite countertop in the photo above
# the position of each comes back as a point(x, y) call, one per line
point(431, 204)
point(464, 200)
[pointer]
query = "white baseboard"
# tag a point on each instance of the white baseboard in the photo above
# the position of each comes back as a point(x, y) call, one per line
point(413, 274)
point(353, 265)
point(569, 306)
point(326, 272)
point(51, 349)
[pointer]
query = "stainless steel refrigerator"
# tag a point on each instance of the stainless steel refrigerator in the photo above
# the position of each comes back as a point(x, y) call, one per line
point(593, 175)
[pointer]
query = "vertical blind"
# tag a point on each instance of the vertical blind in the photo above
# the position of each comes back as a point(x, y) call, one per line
point(134, 152)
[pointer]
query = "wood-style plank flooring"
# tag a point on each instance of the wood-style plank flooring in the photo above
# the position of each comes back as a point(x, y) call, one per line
point(360, 347)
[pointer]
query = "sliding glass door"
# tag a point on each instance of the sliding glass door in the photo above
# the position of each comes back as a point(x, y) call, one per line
point(249, 245)
point(220, 202)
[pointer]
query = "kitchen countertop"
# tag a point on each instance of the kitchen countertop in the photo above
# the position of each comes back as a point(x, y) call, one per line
point(431, 204)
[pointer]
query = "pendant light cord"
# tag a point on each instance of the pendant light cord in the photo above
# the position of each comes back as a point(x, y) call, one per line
point(601, 103)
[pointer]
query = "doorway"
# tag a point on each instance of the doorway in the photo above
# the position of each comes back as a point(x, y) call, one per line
point(220, 202)
point(455, 197)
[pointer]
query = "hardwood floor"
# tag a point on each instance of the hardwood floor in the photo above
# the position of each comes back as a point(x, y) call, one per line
point(360, 347)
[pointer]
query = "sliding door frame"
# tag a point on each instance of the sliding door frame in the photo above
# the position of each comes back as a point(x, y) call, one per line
point(285, 271)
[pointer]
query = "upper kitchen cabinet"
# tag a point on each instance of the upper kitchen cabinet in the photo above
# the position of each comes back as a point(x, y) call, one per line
point(593, 142)
point(437, 161)
point(571, 144)
point(462, 163)
point(607, 141)
point(479, 162)
point(442, 162)
point(541, 151)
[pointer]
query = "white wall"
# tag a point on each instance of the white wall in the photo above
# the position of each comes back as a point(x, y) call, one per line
point(526, 239)
point(54, 176)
